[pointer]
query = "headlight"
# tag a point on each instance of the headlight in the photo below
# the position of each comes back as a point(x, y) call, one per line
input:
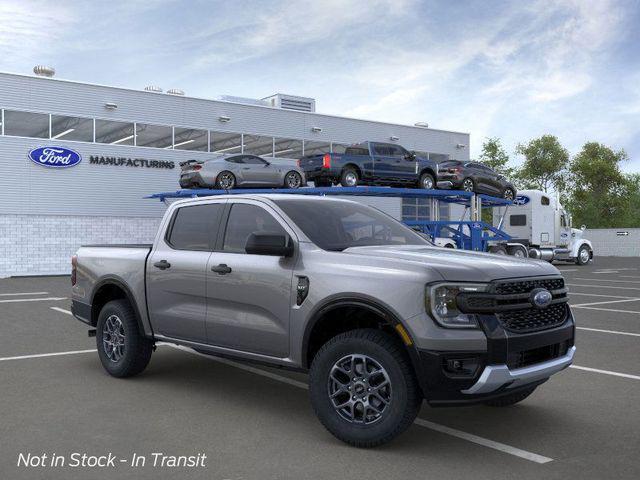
point(442, 304)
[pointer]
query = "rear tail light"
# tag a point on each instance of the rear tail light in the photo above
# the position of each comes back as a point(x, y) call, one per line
point(74, 268)
point(298, 162)
point(326, 161)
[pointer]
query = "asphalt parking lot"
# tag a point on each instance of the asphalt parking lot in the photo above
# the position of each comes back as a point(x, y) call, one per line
point(257, 423)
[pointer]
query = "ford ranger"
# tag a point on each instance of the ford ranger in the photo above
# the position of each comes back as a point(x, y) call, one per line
point(371, 163)
point(380, 318)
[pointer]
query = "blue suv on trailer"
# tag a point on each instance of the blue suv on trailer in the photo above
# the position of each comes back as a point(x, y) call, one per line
point(371, 163)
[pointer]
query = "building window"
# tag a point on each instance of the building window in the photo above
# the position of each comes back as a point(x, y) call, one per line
point(157, 136)
point(71, 128)
point(115, 133)
point(287, 148)
point(257, 145)
point(190, 139)
point(316, 148)
point(226, 143)
point(26, 124)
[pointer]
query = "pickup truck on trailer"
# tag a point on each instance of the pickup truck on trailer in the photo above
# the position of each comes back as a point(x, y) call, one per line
point(380, 318)
point(371, 163)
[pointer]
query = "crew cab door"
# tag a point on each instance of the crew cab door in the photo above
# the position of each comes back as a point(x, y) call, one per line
point(177, 272)
point(249, 296)
point(390, 163)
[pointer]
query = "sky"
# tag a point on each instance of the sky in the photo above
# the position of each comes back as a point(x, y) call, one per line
point(509, 69)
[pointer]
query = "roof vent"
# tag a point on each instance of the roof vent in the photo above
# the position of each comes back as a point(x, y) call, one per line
point(175, 91)
point(292, 102)
point(153, 88)
point(44, 71)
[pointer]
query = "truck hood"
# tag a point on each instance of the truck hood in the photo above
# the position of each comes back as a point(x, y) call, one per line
point(459, 265)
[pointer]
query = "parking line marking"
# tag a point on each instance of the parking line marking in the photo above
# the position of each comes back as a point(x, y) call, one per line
point(607, 309)
point(41, 355)
point(607, 280)
point(49, 299)
point(23, 293)
point(606, 302)
point(603, 286)
point(608, 331)
point(533, 457)
point(61, 310)
point(606, 372)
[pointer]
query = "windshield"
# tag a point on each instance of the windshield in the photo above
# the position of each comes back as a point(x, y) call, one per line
point(335, 225)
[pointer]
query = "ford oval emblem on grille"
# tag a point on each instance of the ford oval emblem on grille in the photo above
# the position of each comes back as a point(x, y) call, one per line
point(541, 297)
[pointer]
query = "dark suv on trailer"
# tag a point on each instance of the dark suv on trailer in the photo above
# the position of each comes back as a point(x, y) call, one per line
point(476, 177)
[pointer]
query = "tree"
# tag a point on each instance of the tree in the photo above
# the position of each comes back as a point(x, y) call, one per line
point(494, 156)
point(600, 194)
point(545, 164)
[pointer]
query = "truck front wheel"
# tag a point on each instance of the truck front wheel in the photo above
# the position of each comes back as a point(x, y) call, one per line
point(123, 350)
point(363, 388)
point(584, 255)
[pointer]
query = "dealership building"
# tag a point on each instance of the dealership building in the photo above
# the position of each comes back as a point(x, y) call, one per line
point(128, 143)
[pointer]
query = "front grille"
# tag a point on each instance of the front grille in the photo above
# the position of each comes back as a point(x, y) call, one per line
point(533, 319)
point(511, 302)
point(525, 286)
point(536, 355)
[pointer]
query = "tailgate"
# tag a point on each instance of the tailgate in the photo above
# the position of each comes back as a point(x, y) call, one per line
point(315, 163)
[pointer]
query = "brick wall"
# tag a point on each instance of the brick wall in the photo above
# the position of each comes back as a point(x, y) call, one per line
point(44, 244)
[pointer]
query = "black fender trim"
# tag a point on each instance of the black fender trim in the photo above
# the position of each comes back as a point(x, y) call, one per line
point(118, 282)
point(358, 300)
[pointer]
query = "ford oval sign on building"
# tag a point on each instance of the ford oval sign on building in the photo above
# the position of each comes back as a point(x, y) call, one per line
point(55, 157)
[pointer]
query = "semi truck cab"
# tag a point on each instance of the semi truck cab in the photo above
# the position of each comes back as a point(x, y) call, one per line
point(538, 221)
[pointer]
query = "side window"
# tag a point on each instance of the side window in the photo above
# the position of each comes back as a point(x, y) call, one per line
point(380, 149)
point(253, 160)
point(195, 228)
point(244, 220)
point(396, 151)
point(545, 200)
point(518, 220)
point(237, 159)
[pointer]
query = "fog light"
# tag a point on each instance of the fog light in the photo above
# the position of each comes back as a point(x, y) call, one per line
point(461, 367)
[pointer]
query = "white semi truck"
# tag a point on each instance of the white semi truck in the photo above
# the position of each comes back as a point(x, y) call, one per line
point(541, 227)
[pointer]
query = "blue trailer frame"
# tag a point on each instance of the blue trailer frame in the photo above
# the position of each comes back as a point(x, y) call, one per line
point(473, 234)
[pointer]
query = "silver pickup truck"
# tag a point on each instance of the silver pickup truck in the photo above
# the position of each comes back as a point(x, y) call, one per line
point(380, 318)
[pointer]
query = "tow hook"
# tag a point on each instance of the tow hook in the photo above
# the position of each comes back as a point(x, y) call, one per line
point(91, 332)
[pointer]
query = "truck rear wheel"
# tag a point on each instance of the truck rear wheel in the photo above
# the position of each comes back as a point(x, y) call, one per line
point(123, 349)
point(512, 399)
point(363, 388)
point(349, 177)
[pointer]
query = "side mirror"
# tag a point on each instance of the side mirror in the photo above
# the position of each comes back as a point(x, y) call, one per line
point(410, 156)
point(583, 227)
point(274, 244)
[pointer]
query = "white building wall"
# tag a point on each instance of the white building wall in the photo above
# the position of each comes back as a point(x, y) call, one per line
point(616, 242)
point(44, 244)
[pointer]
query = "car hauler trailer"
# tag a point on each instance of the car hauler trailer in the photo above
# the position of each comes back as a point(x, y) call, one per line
point(468, 233)
point(538, 221)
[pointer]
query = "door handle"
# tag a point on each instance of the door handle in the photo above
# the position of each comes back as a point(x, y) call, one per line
point(162, 265)
point(221, 269)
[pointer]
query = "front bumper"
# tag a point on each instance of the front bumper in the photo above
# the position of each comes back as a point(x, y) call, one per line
point(494, 377)
point(510, 362)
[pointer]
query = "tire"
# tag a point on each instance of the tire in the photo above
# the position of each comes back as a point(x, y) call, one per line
point(509, 400)
point(349, 177)
point(427, 182)
point(225, 180)
point(517, 251)
point(388, 359)
point(292, 180)
point(584, 255)
point(498, 250)
point(468, 185)
point(133, 357)
point(508, 194)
